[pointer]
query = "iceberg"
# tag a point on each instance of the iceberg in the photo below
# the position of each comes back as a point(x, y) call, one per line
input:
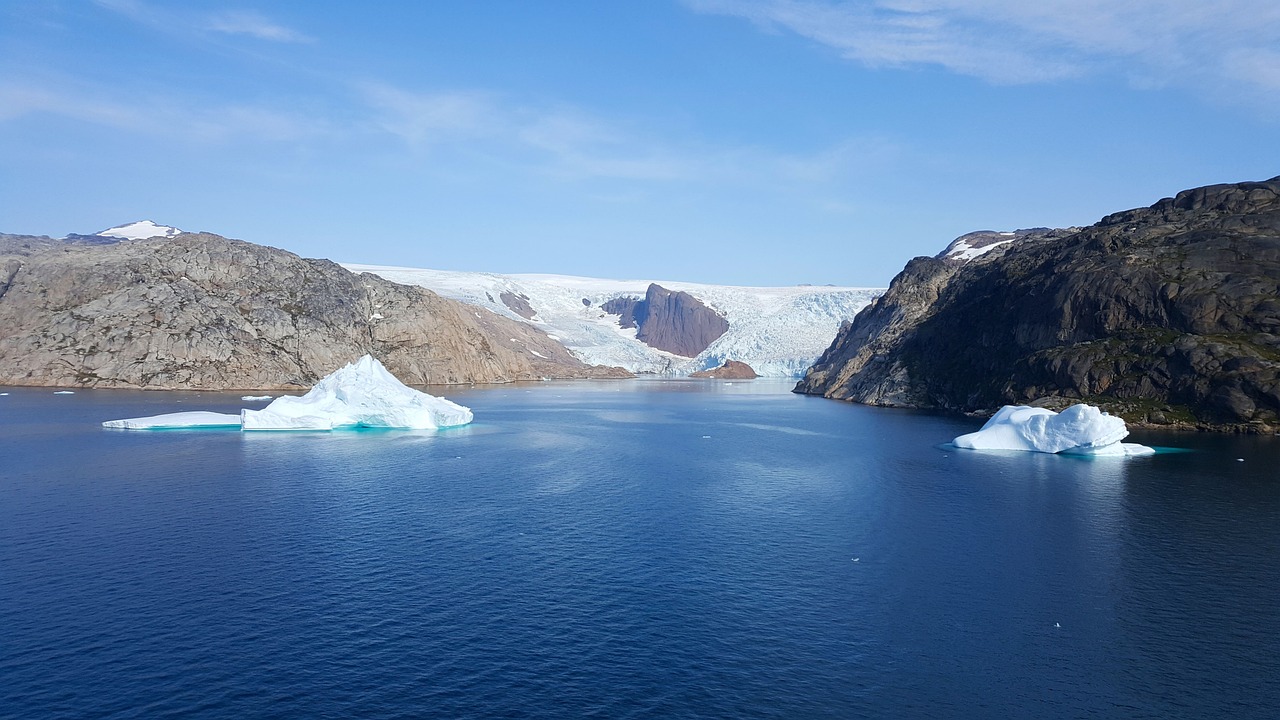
point(1078, 430)
point(255, 398)
point(192, 419)
point(362, 394)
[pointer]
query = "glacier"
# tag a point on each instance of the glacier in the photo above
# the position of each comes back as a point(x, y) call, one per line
point(1078, 430)
point(363, 394)
point(778, 331)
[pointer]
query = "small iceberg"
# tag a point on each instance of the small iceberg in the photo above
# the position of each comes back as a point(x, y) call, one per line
point(255, 398)
point(1078, 430)
point(64, 392)
point(362, 394)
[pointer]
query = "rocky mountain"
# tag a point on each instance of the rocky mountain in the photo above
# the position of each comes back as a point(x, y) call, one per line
point(1168, 314)
point(202, 311)
point(779, 331)
point(676, 322)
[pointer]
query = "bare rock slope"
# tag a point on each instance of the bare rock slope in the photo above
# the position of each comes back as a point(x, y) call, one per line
point(1166, 315)
point(203, 311)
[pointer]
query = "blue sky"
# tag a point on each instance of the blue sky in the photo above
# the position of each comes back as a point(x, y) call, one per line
point(732, 141)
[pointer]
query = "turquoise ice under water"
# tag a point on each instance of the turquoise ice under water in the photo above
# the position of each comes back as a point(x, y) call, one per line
point(626, 549)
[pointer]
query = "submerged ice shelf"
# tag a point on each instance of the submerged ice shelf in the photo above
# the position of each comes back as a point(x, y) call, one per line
point(1078, 430)
point(362, 394)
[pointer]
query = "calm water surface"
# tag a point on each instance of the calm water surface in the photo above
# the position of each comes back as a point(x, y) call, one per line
point(637, 549)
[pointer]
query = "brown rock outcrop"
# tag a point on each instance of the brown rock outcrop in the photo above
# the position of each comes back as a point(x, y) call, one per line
point(202, 311)
point(730, 370)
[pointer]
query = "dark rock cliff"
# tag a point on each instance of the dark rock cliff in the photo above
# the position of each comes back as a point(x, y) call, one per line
point(202, 311)
point(676, 322)
point(1168, 315)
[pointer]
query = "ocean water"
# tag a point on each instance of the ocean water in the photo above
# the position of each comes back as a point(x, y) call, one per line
point(632, 549)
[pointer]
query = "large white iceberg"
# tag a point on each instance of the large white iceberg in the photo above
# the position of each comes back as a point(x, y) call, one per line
point(1078, 430)
point(362, 394)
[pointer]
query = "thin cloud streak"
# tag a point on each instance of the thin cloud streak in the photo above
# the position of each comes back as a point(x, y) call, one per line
point(255, 25)
point(158, 116)
point(1150, 42)
point(244, 23)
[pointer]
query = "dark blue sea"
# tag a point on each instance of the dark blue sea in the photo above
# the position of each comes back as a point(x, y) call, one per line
point(631, 549)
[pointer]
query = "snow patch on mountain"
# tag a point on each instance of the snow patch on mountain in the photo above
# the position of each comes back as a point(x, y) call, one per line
point(778, 331)
point(139, 231)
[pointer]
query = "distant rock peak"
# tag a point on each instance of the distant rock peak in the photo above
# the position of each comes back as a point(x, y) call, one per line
point(673, 321)
point(140, 230)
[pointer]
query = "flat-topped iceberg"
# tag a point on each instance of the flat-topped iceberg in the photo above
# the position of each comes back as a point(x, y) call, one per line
point(193, 419)
point(1078, 430)
point(362, 394)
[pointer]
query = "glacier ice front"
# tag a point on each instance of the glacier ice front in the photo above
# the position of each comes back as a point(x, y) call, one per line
point(1078, 430)
point(362, 394)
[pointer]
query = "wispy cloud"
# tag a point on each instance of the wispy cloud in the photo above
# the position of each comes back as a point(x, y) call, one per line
point(425, 118)
point(254, 25)
point(565, 142)
point(241, 22)
point(156, 115)
point(1151, 42)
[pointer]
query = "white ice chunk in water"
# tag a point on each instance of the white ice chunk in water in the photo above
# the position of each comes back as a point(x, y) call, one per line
point(193, 419)
point(362, 394)
point(64, 392)
point(1078, 430)
point(254, 398)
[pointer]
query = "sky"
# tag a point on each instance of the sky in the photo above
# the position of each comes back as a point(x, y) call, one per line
point(751, 142)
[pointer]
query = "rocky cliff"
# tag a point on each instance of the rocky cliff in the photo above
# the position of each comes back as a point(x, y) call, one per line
point(676, 322)
point(202, 311)
point(1167, 315)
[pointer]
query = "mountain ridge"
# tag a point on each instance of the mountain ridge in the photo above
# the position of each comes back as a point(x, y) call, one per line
point(201, 311)
point(1166, 315)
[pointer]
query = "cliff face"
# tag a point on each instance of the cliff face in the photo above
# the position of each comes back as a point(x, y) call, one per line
point(676, 322)
point(1166, 314)
point(202, 311)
